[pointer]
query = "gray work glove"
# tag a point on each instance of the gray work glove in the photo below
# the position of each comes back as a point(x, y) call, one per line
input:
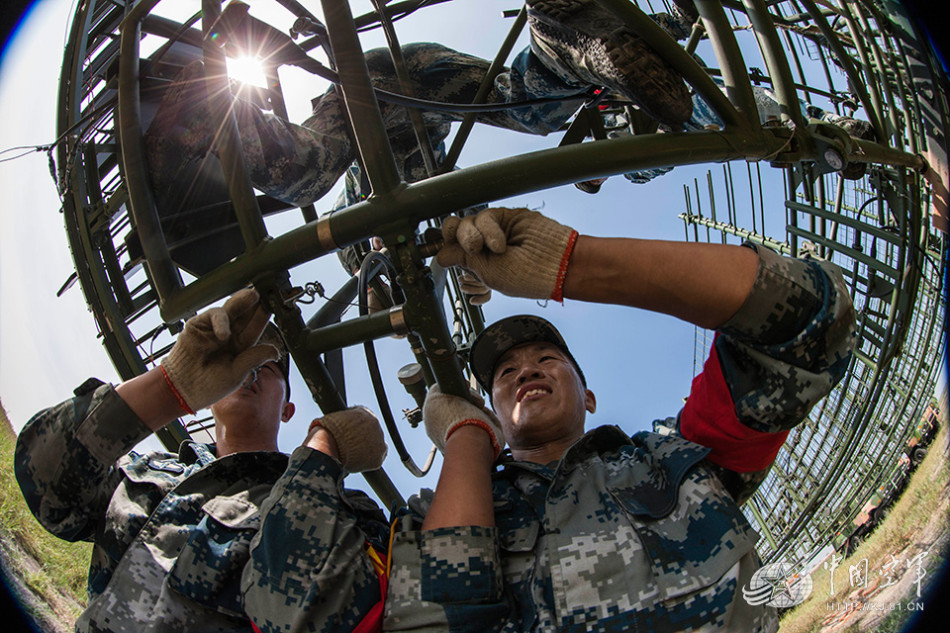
point(216, 351)
point(358, 436)
point(517, 252)
point(474, 289)
point(443, 414)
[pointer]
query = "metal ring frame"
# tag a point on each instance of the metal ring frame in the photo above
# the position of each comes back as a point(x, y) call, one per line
point(106, 195)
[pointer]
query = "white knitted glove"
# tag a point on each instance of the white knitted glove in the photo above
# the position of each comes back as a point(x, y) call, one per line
point(216, 351)
point(474, 289)
point(444, 413)
point(358, 436)
point(517, 252)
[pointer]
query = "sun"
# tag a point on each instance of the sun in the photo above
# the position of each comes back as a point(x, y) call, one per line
point(247, 70)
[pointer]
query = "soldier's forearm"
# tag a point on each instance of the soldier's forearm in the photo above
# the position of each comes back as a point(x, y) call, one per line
point(704, 284)
point(463, 496)
point(65, 456)
point(321, 440)
point(150, 398)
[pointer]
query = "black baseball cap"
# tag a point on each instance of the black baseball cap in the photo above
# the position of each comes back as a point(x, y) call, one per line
point(272, 336)
point(501, 336)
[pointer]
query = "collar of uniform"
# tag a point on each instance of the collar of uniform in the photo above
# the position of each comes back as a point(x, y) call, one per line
point(196, 453)
point(597, 440)
point(509, 467)
point(259, 466)
point(191, 452)
point(645, 478)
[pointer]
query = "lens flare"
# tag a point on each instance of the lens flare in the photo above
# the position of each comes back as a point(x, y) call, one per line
point(247, 70)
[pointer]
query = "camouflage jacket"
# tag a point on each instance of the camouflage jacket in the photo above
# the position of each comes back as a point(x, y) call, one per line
point(641, 533)
point(172, 533)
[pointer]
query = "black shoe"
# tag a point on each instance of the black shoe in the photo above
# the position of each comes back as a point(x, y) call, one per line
point(600, 50)
point(590, 186)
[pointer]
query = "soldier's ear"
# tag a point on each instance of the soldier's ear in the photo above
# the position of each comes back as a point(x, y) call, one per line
point(590, 401)
point(287, 411)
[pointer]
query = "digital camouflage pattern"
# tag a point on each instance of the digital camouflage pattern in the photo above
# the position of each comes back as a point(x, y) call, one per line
point(790, 343)
point(585, 43)
point(309, 570)
point(623, 534)
point(298, 164)
point(172, 533)
point(705, 118)
point(639, 533)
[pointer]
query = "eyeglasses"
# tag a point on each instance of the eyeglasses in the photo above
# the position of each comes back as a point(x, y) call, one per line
point(254, 373)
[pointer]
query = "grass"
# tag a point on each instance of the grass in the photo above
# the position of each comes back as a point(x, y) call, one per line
point(60, 576)
point(926, 492)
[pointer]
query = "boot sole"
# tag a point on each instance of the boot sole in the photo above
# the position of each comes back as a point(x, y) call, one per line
point(617, 55)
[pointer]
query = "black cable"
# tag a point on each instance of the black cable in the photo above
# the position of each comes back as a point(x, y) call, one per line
point(371, 21)
point(27, 149)
point(291, 53)
point(462, 108)
point(369, 269)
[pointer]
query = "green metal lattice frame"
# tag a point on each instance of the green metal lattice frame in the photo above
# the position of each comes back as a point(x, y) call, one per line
point(876, 228)
point(139, 297)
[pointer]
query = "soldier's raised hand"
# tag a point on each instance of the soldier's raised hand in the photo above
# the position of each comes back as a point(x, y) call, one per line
point(444, 414)
point(518, 252)
point(357, 436)
point(474, 289)
point(217, 350)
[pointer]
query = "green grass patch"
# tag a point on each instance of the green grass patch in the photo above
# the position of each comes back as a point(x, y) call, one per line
point(925, 493)
point(63, 566)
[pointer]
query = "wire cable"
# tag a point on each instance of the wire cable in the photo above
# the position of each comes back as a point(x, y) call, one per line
point(369, 268)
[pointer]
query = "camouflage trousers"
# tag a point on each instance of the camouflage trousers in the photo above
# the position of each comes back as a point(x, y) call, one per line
point(298, 164)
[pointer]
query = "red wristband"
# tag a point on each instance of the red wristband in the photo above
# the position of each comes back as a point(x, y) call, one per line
point(181, 400)
point(496, 447)
point(558, 294)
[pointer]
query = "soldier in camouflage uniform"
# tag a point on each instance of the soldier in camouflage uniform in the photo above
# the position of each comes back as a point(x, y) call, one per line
point(571, 53)
point(298, 164)
point(600, 531)
point(172, 532)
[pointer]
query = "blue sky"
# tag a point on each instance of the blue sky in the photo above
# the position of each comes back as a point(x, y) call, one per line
point(639, 364)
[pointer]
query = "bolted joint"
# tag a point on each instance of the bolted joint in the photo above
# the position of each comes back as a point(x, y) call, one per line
point(832, 146)
point(431, 242)
point(413, 416)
